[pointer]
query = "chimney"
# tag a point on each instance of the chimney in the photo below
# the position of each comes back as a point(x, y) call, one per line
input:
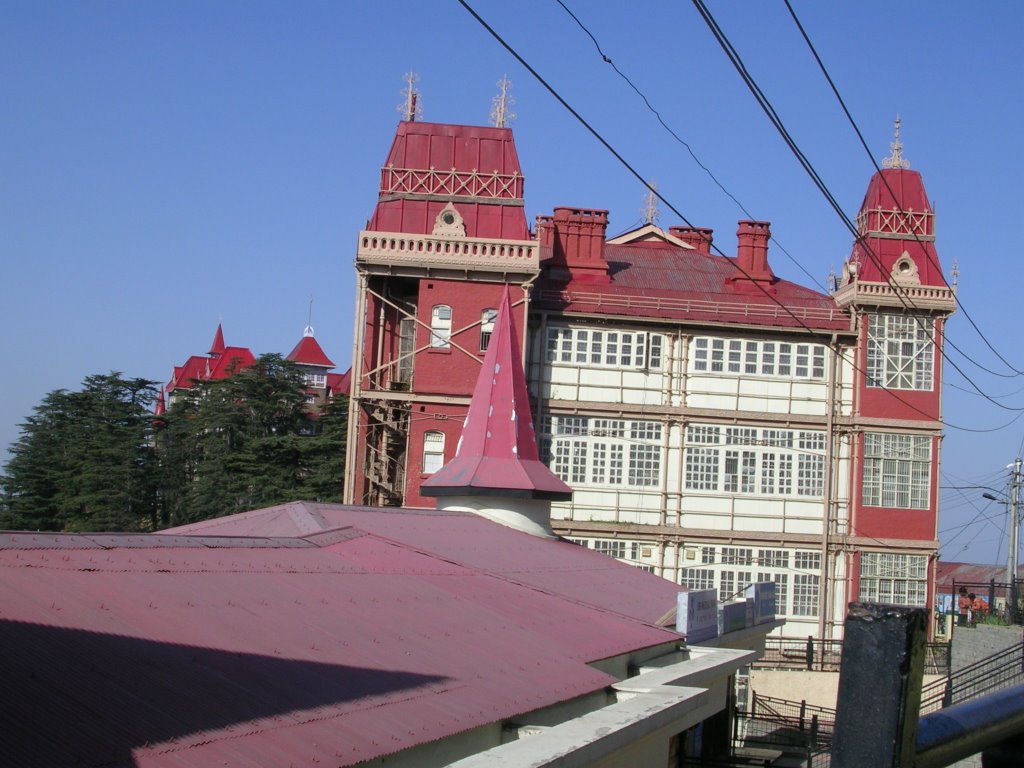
point(752, 251)
point(699, 237)
point(578, 242)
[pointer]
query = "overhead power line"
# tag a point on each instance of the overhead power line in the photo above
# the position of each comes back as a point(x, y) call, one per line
point(733, 55)
point(811, 331)
point(860, 136)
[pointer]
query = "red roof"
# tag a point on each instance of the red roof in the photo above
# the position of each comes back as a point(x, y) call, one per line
point(339, 383)
point(890, 233)
point(660, 280)
point(194, 369)
point(497, 451)
point(231, 360)
point(338, 647)
point(309, 352)
point(217, 347)
point(474, 167)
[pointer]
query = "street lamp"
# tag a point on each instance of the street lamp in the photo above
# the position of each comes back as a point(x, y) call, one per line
point(1013, 506)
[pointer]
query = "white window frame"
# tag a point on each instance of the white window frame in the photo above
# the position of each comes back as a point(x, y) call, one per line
point(892, 578)
point(440, 326)
point(604, 347)
point(592, 451)
point(718, 355)
point(900, 353)
point(487, 318)
point(897, 471)
point(433, 451)
point(754, 461)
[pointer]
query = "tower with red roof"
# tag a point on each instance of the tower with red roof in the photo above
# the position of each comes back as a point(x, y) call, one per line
point(894, 286)
point(447, 234)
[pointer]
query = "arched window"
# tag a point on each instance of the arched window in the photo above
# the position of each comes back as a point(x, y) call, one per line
point(440, 326)
point(487, 318)
point(433, 452)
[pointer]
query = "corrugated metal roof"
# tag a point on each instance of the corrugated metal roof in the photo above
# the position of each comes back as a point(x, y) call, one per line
point(666, 282)
point(352, 643)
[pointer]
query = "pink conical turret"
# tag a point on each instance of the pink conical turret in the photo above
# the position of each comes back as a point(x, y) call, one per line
point(497, 454)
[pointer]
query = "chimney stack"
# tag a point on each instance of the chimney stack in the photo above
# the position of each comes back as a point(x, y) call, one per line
point(752, 251)
point(699, 237)
point(577, 239)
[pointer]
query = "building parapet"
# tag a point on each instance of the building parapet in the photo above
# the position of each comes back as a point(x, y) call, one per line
point(920, 297)
point(487, 254)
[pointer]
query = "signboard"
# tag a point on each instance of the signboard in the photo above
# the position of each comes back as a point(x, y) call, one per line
point(763, 595)
point(697, 614)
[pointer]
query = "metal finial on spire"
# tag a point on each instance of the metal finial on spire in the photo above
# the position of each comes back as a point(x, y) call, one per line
point(501, 105)
point(956, 272)
point(650, 210)
point(309, 320)
point(896, 159)
point(830, 281)
point(410, 108)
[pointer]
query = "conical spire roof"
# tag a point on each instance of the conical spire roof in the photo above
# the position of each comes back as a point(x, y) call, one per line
point(309, 352)
point(497, 453)
point(218, 347)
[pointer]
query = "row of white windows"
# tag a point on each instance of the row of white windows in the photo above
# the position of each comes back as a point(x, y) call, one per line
point(743, 460)
point(900, 353)
point(758, 358)
point(605, 349)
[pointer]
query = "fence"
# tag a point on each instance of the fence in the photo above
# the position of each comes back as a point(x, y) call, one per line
point(813, 655)
point(992, 673)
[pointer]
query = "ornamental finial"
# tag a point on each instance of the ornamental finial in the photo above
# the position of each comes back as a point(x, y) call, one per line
point(650, 210)
point(896, 159)
point(410, 108)
point(501, 105)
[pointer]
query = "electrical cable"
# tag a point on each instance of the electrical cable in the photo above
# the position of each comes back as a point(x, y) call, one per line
point(733, 55)
point(903, 213)
point(732, 262)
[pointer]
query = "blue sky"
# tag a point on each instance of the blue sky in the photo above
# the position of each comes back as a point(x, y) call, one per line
point(164, 166)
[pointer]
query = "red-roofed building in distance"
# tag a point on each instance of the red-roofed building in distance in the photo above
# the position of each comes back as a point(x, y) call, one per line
point(718, 424)
point(223, 361)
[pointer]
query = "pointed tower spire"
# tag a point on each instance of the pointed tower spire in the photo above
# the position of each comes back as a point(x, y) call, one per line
point(497, 455)
point(896, 159)
point(650, 210)
point(161, 407)
point(501, 105)
point(217, 347)
point(410, 107)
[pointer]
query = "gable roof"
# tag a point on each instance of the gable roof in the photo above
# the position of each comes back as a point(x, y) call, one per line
point(342, 644)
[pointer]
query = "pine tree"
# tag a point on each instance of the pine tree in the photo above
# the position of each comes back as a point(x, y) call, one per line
point(85, 461)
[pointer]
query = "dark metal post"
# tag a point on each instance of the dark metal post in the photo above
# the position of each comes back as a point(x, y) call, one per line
point(991, 595)
point(879, 686)
point(810, 653)
point(803, 712)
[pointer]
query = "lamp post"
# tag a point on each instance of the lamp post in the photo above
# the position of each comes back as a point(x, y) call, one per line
point(1011, 559)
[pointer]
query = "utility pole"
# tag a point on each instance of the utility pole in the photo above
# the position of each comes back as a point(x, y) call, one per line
point(1011, 559)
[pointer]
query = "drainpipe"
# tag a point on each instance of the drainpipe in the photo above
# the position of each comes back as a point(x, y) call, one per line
point(833, 384)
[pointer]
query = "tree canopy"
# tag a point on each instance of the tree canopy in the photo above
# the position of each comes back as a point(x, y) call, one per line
point(99, 460)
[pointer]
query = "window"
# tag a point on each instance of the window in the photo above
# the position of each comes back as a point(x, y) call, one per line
point(433, 452)
point(758, 358)
point(731, 584)
point(583, 450)
point(781, 589)
point(612, 548)
point(894, 579)
point(605, 349)
point(697, 578)
point(806, 583)
point(754, 461)
point(315, 379)
point(897, 470)
point(487, 318)
point(900, 353)
point(440, 326)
